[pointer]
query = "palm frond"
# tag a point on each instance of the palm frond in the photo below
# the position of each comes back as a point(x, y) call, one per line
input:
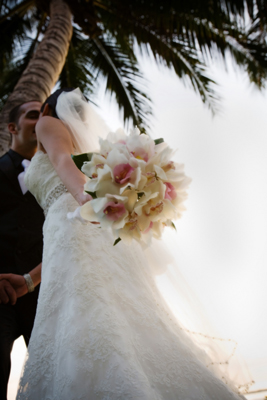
point(248, 50)
point(187, 65)
point(176, 54)
point(12, 72)
point(76, 71)
point(119, 66)
point(12, 32)
point(8, 79)
point(12, 8)
point(252, 57)
point(166, 14)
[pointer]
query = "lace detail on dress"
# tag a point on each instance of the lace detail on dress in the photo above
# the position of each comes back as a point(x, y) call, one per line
point(53, 196)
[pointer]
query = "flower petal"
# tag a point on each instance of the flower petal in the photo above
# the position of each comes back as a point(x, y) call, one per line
point(87, 212)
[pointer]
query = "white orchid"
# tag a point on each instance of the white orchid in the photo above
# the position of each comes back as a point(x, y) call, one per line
point(110, 211)
point(90, 168)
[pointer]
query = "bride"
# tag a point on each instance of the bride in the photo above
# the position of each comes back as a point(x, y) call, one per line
point(102, 329)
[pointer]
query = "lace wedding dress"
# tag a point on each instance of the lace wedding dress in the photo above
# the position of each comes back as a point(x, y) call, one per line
point(102, 330)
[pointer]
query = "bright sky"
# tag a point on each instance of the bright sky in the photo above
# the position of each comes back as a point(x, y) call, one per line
point(220, 245)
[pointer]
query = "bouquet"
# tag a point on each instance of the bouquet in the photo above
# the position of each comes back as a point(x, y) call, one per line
point(137, 189)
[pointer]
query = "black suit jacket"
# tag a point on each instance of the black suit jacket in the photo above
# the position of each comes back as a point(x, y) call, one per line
point(21, 240)
point(21, 221)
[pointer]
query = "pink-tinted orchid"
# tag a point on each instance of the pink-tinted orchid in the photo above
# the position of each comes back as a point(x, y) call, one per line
point(148, 229)
point(122, 173)
point(114, 211)
point(131, 224)
point(151, 177)
point(157, 209)
point(170, 165)
point(170, 192)
point(140, 154)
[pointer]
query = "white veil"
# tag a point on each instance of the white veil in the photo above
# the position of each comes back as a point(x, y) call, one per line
point(82, 121)
point(219, 354)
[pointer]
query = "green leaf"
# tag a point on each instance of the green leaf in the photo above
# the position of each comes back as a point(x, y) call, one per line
point(173, 226)
point(117, 241)
point(158, 141)
point(93, 194)
point(76, 71)
point(140, 194)
point(117, 63)
point(81, 158)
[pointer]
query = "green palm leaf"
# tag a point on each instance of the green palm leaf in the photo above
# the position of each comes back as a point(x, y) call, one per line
point(119, 66)
point(76, 71)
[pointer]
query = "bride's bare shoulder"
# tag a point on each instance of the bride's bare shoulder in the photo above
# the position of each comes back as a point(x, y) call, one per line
point(53, 135)
point(47, 122)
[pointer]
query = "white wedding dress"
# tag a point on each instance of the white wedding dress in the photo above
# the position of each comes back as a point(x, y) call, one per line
point(102, 329)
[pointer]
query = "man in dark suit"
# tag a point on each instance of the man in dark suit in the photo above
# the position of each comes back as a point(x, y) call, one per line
point(21, 240)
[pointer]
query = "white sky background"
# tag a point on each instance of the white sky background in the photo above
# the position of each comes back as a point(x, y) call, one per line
point(220, 245)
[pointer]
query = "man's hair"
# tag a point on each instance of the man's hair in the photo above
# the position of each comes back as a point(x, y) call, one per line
point(52, 100)
point(14, 114)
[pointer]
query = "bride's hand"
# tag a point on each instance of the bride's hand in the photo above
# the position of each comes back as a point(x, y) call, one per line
point(83, 198)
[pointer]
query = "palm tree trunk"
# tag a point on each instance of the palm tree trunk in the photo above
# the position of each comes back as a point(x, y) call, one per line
point(44, 68)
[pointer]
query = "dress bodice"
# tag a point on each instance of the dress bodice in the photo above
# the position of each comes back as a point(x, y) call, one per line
point(42, 180)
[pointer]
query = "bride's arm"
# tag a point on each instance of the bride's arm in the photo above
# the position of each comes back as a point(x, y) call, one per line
point(56, 140)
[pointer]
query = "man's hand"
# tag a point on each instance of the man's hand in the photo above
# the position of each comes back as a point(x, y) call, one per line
point(12, 286)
